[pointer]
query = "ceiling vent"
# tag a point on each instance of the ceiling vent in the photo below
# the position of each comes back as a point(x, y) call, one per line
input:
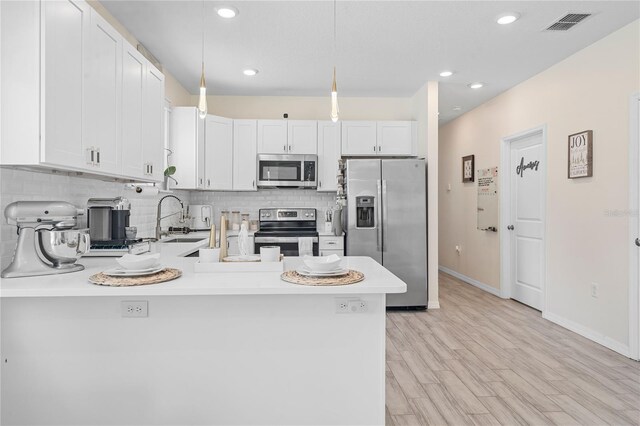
point(567, 22)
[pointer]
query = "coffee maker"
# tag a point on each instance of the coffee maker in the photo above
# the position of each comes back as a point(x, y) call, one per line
point(107, 219)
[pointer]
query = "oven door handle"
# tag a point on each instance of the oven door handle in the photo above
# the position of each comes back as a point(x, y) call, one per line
point(275, 240)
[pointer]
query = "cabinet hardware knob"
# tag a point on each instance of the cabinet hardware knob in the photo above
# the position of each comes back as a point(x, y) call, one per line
point(284, 147)
point(510, 227)
point(638, 242)
point(253, 183)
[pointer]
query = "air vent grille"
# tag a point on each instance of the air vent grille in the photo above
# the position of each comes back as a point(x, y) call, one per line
point(568, 21)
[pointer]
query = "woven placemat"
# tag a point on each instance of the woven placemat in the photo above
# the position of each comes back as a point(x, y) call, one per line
point(351, 277)
point(167, 274)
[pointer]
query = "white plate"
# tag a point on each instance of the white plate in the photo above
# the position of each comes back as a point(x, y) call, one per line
point(247, 258)
point(121, 272)
point(307, 273)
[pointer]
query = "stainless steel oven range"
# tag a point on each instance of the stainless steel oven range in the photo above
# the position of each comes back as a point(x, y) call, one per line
point(283, 227)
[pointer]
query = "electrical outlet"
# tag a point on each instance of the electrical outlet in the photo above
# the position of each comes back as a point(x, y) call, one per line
point(595, 291)
point(350, 306)
point(134, 309)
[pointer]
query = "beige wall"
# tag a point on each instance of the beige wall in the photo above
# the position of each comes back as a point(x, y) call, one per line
point(588, 90)
point(174, 92)
point(308, 107)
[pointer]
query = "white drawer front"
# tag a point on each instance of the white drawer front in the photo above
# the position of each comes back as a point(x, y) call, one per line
point(331, 243)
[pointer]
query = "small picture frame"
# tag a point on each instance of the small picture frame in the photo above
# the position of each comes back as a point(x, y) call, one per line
point(580, 158)
point(468, 168)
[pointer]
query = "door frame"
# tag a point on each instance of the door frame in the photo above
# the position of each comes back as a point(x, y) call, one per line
point(505, 210)
point(634, 225)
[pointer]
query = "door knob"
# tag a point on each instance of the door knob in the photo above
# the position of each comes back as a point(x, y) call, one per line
point(638, 242)
point(510, 228)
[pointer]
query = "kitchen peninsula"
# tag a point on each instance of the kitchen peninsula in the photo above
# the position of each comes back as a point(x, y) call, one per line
point(233, 348)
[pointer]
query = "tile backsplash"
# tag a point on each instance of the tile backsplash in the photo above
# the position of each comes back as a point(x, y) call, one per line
point(251, 202)
point(25, 185)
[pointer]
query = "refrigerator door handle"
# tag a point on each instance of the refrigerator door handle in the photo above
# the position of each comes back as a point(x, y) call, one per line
point(379, 217)
point(384, 213)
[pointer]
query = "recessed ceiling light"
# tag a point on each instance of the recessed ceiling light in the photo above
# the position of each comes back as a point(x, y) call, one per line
point(508, 18)
point(476, 85)
point(250, 72)
point(446, 73)
point(457, 108)
point(227, 12)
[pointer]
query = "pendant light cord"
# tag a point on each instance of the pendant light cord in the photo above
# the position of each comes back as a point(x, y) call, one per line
point(334, 34)
point(203, 34)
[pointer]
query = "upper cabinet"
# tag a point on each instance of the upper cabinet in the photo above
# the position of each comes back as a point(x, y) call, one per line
point(272, 137)
point(287, 136)
point(103, 89)
point(245, 134)
point(379, 138)
point(188, 148)
point(302, 137)
point(81, 98)
point(397, 138)
point(328, 155)
point(359, 138)
point(218, 153)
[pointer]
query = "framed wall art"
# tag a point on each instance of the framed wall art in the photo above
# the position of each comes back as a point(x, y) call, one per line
point(468, 168)
point(580, 160)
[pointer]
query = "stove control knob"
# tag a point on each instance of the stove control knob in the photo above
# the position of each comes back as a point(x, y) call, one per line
point(306, 215)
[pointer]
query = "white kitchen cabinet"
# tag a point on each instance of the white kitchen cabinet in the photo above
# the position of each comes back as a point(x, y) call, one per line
point(328, 155)
point(244, 155)
point(153, 124)
point(359, 138)
point(77, 92)
point(302, 137)
point(103, 87)
point(133, 80)
point(272, 137)
point(379, 138)
point(330, 244)
point(65, 37)
point(397, 138)
point(218, 153)
point(187, 145)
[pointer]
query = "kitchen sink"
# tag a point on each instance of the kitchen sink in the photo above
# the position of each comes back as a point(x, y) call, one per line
point(182, 240)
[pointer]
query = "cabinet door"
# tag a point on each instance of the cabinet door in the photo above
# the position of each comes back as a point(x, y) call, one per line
point(396, 138)
point(103, 87)
point(328, 155)
point(272, 137)
point(218, 149)
point(302, 137)
point(359, 138)
point(187, 146)
point(64, 35)
point(133, 77)
point(152, 124)
point(244, 155)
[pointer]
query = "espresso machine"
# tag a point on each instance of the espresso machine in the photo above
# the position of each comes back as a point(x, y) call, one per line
point(107, 220)
point(47, 243)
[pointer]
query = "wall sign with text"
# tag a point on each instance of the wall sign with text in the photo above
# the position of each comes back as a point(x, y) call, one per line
point(467, 168)
point(580, 161)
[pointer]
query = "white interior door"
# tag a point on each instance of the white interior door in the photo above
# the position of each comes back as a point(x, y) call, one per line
point(526, 224)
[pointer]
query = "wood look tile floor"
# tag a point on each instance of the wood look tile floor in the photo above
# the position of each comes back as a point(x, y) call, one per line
point(482, 360)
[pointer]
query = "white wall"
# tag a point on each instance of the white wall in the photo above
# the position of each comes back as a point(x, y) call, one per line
point(585, 243)
point(308, 107)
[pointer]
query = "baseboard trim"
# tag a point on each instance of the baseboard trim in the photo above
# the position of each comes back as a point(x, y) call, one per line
point(590, 334)
point(469, 280)
point(433, 305)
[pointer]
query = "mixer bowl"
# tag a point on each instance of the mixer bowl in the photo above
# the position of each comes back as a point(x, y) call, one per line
point(64, 247)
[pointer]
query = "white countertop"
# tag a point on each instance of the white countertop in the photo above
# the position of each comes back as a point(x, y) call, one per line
point(377, 279)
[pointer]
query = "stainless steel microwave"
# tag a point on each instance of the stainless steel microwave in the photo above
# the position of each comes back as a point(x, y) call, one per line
point(287, 171)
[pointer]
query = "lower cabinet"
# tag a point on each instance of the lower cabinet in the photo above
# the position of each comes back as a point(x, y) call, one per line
point(330, 244)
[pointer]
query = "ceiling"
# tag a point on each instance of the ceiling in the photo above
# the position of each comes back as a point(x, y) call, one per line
point(384, 48)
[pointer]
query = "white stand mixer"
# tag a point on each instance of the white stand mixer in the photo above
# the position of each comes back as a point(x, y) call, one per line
point(47, 244)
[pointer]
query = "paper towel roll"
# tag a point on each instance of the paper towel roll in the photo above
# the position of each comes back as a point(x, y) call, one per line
point(145, 191)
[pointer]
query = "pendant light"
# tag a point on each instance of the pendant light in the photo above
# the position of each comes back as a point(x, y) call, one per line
point(202, 101)
point(334, 87)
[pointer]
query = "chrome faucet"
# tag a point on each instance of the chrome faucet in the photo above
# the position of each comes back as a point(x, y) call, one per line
point(159, 217)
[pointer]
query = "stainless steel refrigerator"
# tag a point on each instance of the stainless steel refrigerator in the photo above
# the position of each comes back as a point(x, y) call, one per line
point(387, 220)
